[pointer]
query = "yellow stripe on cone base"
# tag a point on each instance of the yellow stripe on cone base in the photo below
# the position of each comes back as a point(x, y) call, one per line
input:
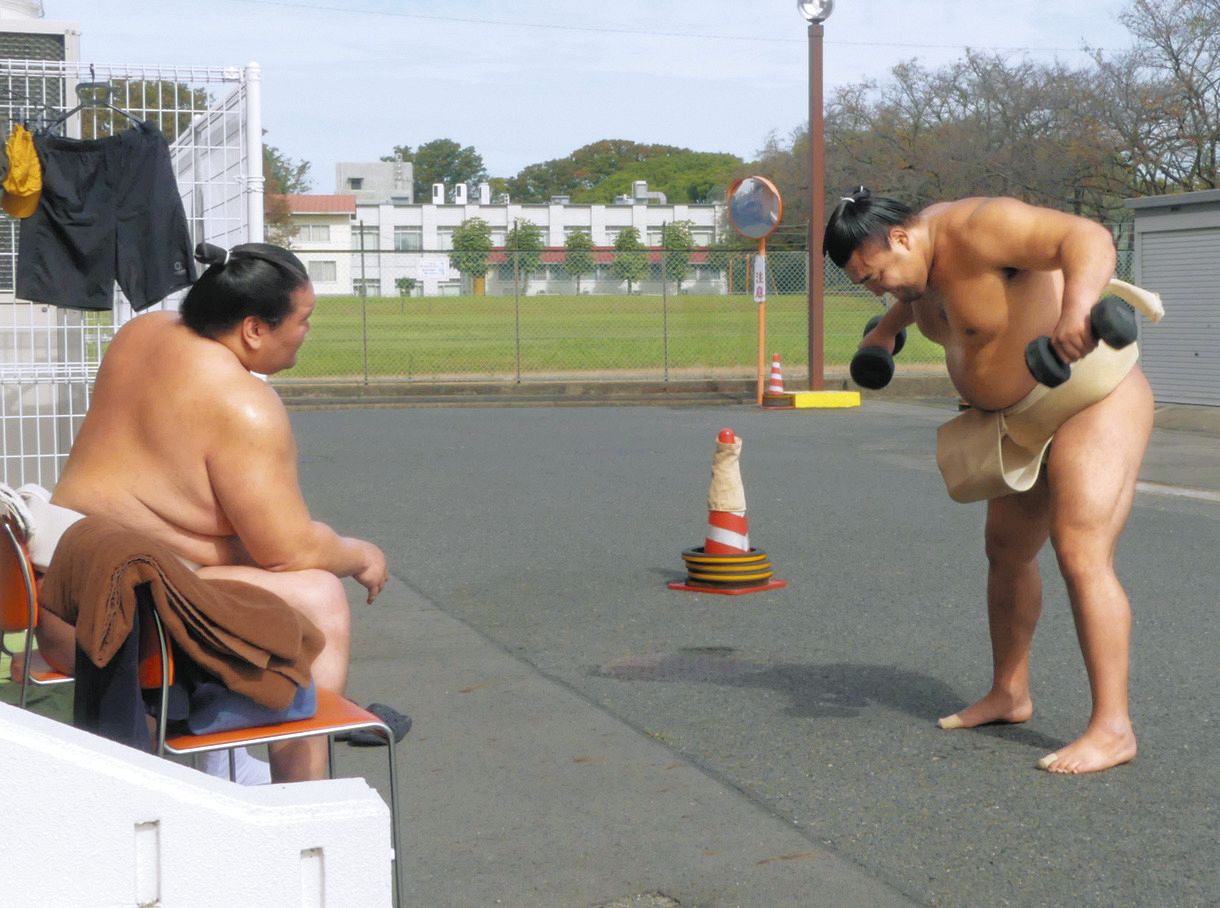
point(729, 575)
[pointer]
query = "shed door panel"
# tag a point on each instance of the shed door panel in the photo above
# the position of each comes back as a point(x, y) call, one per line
point(1181, 354)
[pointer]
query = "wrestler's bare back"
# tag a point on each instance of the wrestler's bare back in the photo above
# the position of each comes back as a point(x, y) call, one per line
point(153, 426)
point(989, 292)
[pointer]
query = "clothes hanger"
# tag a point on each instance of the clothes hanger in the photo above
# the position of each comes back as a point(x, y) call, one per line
point(22, 109)
point(90, 95)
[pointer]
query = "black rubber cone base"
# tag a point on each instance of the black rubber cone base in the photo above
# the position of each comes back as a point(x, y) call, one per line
point(729, 575)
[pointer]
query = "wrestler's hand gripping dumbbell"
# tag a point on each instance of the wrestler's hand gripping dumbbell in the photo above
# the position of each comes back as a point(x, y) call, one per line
point(1111, 320)
point(873, 367)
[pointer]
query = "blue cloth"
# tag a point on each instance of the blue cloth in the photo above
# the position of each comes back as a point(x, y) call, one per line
point(215, 708)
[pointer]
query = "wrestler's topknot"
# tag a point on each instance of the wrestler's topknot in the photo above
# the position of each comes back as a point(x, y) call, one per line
point(859, 216)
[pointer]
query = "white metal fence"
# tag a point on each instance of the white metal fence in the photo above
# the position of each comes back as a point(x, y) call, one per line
point(48, 355)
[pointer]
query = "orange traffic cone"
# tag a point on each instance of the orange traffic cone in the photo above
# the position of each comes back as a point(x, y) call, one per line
point(774, 396)
point(728, 531)
point(726, 563)
point(775, 386)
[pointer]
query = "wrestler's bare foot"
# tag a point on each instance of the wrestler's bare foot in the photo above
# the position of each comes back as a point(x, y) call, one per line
point(996, 706)
point(1100, 747)
point(38, 665)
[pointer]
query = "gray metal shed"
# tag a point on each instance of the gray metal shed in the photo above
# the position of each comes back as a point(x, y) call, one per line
point(1177, 254)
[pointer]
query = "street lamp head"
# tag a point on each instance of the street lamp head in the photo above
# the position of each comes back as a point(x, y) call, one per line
point(815, 10)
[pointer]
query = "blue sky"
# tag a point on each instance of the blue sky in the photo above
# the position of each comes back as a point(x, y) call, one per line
point(530, 80)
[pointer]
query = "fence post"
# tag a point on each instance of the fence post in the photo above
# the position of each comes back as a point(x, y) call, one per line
point(254, 154)
point(364, 307)
point(664, 319)
point(517, 308)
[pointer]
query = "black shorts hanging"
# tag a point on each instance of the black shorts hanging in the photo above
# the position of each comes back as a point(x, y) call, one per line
point(110, 211)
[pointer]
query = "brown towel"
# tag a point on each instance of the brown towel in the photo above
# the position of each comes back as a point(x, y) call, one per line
point(249, 638)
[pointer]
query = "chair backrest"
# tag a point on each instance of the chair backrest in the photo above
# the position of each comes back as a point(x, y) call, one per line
point(18, 592)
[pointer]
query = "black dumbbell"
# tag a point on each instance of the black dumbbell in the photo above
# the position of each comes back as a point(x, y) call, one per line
point(1111, 320)
point(873, 367)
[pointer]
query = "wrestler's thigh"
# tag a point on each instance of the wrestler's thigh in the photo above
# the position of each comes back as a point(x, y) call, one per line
point(1018, 525)
point(1095, 461)
point(319, 594)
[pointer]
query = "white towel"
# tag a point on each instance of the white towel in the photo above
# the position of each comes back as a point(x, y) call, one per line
point(46, 523)
point(14, 505)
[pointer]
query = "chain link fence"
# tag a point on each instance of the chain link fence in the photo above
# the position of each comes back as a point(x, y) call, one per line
point(672, 315)
point(656, 315)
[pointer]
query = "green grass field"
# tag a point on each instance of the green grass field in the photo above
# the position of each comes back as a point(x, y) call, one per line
point(474, 337)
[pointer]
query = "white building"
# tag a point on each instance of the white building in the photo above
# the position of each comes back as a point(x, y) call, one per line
point(377, 181)
point(323, 240)
point(394, 240)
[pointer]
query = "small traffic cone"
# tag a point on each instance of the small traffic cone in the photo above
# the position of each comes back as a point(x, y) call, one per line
point(776, 384)
point(726, 563)
point(774, 396)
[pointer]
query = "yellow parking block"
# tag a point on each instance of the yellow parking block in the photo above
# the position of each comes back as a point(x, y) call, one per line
point(803, 400)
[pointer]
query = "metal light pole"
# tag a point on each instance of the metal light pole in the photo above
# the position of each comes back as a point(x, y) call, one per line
point(816, 12)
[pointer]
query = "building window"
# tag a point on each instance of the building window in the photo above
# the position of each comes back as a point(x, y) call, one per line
point(444, 238)
point(355, 182)
point(369, 287)
point(568, 231)
point(654, 238)
point(701, 236)
point(314, 233)
point(366, 238)
point(322, 272)
point(498, 237)
point(408, 239)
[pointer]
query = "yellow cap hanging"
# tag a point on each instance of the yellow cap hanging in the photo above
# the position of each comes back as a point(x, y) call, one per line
point(23, 185)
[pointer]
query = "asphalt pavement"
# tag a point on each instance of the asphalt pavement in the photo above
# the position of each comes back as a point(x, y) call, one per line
point(585, 736)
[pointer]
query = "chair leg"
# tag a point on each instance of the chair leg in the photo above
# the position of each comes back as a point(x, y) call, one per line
point(395, 838)
point(396, 866)
point(26, 666)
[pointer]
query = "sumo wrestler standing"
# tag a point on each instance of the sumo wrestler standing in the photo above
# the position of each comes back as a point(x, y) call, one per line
point(983, 277)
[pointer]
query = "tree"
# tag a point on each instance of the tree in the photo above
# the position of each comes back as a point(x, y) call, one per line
point(578, 255)
point(471, 248)
point(602, 170)
point(1142, 122)
point(676, 242)
point(170, 105)
point(404, 285)
point(524, 247)
point(1164, 95)
point(282, 176)
point(441, 161)
point(630, 257)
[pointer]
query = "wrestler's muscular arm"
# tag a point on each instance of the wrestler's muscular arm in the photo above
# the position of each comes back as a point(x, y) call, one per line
point(253, 472)
point(1005, 232)
point(883, 335)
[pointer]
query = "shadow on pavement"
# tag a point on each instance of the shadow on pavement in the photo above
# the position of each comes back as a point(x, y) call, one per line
point(837, 690)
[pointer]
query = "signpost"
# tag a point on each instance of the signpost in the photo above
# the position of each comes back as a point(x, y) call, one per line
point(755, 210)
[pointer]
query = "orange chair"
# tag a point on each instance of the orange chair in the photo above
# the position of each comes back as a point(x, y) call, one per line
point(19, 608)
point(335, 715)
